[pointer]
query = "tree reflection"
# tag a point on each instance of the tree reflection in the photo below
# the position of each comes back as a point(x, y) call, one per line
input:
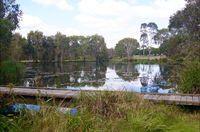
point(68, 74)
point(127, 72)
point(148, 77)
point(140, 77)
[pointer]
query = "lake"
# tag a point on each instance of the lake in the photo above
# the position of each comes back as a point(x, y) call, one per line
point(108, 76)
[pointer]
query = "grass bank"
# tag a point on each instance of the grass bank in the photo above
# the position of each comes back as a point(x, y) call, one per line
point(142, 59)
point(106, 111)
point(75, 60)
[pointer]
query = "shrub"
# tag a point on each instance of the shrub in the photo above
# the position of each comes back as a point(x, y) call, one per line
point(190, 78)
point(11, 72)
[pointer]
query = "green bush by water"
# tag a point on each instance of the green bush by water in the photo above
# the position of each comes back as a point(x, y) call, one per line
point(11, 72)
point(190, 78)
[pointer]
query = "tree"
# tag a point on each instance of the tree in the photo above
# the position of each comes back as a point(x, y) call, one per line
point(186, 23)
point(162, 35)
point(98, 47)
point(187, 20)
point(9, 21)
point(127, 45)
point(60, 43)
point(120, 51)
point(35, 38)
point(111, 53)
point(148, 31)
point(74, 47)
point(145, 41)
point(172, 47)
point(16, 46)
point(48, 49)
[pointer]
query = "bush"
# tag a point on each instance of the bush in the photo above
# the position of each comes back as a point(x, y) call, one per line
point(11, 72)
point(190, 78)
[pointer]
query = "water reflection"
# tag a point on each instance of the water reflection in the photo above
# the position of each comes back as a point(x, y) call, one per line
point(108, 76)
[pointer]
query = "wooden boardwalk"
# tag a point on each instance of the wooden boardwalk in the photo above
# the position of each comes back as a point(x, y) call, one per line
point(178, 99)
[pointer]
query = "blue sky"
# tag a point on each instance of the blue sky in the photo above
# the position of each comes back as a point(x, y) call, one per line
point(113, 19)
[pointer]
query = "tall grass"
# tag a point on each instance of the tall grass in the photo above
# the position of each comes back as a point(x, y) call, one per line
point(105, 111)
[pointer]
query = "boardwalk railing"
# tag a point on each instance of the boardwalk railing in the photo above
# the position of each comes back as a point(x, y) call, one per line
point(178, 99)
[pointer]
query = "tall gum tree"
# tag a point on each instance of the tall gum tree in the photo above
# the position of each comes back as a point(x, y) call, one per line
point(148, 31)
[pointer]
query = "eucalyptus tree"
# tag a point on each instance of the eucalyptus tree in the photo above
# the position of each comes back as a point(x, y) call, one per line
point(128, 45)
point(97, 47)
point(120, 50)
point(162, 35)
point(148, 31)
point(74, 46)
point(16, 46)
point(48, 49)
point(144, 40)
point(9, 21)
point(186, 25)
point(36, 39)
point(60, 45)
point(187, 20)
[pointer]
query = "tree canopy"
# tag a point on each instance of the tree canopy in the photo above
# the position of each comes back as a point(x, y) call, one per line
point(148, 31)
point(9, 21)
point(126, 47)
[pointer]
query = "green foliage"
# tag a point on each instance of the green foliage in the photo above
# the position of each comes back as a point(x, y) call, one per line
point(35, 39)
point(173, 46)
point(190, 78)
point(59, 47)
point(126, 47)
point(11, 72)
point(16, 47)
point(185, 31)
point(9, 20)
point(187, 20)
point(162, 35)
point(154, 51)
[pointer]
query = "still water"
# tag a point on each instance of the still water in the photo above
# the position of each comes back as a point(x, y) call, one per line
point(108, 76)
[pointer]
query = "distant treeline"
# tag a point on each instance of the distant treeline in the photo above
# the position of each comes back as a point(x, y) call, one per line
point(59, 47)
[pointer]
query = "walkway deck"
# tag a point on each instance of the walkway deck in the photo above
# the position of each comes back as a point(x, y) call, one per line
point(178, 99)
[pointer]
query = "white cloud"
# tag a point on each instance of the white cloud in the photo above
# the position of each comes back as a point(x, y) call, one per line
point(30, 22)
point(115, 19)
point(61, 4)
point(34, 23)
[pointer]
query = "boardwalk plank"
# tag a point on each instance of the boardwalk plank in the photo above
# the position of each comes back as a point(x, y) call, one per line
point(63, 93)
point(183, 99)
point(189, 98)
point(165, 97)
point(178, 98)
point(145, 96)
point(154, 97)
point(195, 99)
point(172, 98)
